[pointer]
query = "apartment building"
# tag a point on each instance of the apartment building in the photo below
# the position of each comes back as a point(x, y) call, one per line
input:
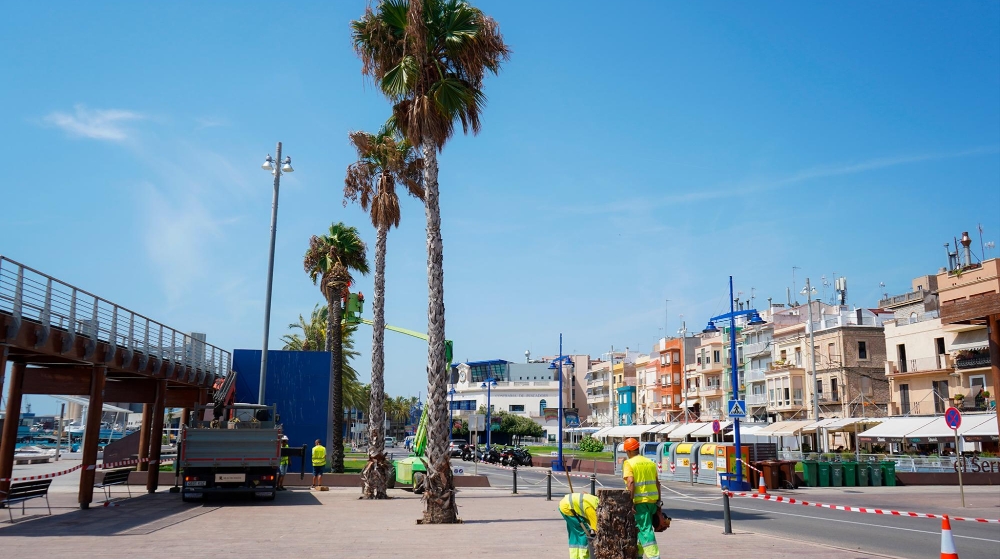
point(756, 343)
point(599, 395)
point(703, 395)
point(646, 388)
point(623, 389)
point(671, 354)
point(936, 361)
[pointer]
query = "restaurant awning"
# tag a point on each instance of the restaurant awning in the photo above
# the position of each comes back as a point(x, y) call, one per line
point(937, 431)
point(894, 429)
point(602, 431)
point(707, 431)
point(687, 403)
point(624, 431)
point(664, 428)
point(821, 424)
point(751, 428)
point(684, 430)
point(984, 432)
point(850, 423)
point(971, 339)
point(783, 428)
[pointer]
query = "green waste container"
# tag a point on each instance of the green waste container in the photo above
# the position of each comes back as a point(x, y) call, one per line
point(874, 474)
point(836, 474)
point(850, 474)
point(862, 475)
point(888, 473)
point(824, 474)
point(810, 473)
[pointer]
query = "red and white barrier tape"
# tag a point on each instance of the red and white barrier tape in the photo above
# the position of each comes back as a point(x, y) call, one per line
point(747, 464)
point(90, 467)
point(867, 510)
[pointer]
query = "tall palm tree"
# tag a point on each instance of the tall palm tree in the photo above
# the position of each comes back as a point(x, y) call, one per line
point(313, 338)
point(383, 161)
point(329, 262)
point(429, 57)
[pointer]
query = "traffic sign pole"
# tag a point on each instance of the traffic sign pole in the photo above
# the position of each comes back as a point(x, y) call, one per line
point(953, 418)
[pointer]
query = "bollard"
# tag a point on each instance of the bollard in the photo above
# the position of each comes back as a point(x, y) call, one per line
point(515, 480)
point(593, 484)
point(548, 484)
point(726, 518)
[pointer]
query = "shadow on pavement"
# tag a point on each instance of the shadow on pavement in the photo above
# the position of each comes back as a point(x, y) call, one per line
point(137, 516)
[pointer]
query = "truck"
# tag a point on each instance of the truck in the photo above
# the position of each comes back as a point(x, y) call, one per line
point(412, 470)
point(230, 449)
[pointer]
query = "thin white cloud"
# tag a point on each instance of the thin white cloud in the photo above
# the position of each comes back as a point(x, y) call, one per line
point(97, 124)
point(203, 122)
point(755, 186)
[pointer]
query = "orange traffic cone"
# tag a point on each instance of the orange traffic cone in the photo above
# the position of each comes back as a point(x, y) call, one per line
point(762, 487)
point(948, 550)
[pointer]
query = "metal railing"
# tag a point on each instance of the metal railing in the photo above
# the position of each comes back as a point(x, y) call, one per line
point(27, 294)
point(755, 375)
point(756, 399)
point(973, 362)
point(919, 364)
point(900, 299)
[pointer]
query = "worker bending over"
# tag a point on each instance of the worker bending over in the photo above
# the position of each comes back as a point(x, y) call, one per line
point(580, 512)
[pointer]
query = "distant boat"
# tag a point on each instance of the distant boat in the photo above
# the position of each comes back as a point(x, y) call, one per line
point(33, 454)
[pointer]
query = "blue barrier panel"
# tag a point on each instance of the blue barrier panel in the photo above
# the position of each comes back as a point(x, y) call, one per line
point(298, 383)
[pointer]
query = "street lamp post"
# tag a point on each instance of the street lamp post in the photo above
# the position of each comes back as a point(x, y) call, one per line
point(489, 384)
point(734, 378)
point(557, 464)
point(808, 291)
point(683, 331)
point(277, 169)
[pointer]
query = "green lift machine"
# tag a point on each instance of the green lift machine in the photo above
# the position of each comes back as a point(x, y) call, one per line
point(411, 470)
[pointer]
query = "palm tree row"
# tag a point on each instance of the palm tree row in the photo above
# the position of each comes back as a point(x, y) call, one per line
point(429, 58)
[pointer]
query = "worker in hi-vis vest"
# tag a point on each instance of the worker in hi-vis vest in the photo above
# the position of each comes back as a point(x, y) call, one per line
point(580, 512)
point(643, 482)
point(319, 464)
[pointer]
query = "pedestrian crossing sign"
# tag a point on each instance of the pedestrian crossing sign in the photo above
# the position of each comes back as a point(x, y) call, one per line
point(737, 408)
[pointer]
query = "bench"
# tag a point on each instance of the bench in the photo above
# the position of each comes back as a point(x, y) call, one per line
point(115, 477)
point(26, 491)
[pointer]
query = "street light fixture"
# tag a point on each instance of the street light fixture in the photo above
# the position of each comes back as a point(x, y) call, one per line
point(557, 363)
point(754, 319)
point(269, 166)
point(488, 385)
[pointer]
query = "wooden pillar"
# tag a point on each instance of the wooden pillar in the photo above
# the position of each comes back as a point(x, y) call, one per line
point(185, 417)
point(993, 330)
point(147, 416)
point(92, 436)
point(4, 350)
point(8, 439)
point(156, 437)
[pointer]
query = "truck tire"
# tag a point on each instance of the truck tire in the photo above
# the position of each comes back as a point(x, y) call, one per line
point(391, 482)
point(418, 482)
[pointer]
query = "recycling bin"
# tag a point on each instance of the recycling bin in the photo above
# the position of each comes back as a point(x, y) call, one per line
point(772, 474)
point(850, 474)
point(810, 473)
point(862, 475)
point(836, 474)
point(824, 474)
point(874, 474)
point(788, 478)
point(888, 473)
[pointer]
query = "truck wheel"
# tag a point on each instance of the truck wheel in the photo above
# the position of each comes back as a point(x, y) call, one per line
point(391, 482)
point(418, 483)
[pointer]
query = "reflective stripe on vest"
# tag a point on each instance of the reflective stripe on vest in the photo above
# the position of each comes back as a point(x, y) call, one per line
point(644, 476)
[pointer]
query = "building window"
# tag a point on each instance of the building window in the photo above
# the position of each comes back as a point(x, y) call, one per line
point(862, 350)
point(904, 399)
point(833, 390)
point(541, 407)
point(715, 356)
point(819, 388)
point(829, 352)
point(516, 407)
point(940, 389)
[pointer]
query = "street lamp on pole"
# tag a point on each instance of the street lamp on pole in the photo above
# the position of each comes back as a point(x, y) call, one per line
point(277, 169)
point(683, 331)
point(489, 384)
point(734, 379)
point(557, 363)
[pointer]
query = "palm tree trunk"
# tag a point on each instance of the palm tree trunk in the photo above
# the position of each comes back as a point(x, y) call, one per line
point(334, 344)
point(440, 507)
point(377, 469)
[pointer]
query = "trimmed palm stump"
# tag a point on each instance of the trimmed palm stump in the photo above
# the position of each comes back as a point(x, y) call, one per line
point(617, 534)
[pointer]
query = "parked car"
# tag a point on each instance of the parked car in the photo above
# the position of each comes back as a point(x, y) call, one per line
point(390, 442)
point(456, 446)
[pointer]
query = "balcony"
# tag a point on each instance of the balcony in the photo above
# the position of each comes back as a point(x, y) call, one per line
point(756, 399)
point(754, 349)
point(599, 381)
point(918, 365)
point(755, 375)
point(598, 398)
point(693, 391)
point(972, 361)
point(711, 391)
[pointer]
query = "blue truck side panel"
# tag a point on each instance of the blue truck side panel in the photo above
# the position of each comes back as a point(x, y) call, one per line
point(298, 382)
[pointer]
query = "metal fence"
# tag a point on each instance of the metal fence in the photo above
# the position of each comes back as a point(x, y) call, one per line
point(27, 294)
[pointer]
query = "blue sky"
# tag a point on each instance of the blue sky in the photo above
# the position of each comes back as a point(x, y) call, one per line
point(628, 156)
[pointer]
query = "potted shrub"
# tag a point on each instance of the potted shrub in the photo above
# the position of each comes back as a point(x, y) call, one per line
point(959, 397)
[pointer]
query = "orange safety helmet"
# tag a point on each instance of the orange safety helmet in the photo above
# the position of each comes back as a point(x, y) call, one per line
point(631, 444)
